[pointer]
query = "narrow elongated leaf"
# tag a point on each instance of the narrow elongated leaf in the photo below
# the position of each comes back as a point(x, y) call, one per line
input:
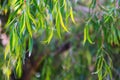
point(31, 17)
point(88, 36)
point(14, 38)
point(23, 24)
point(85, 35)
point(108, 70)
point(19, 68)
point(65, 4)
point(30, 46)
point(50, 37)
point(71, 15)
point(7, 50)
point(61, 21)
point(28, 25)
point(58, 25)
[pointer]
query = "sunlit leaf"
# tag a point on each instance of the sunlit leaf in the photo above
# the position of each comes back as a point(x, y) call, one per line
point(85, 35)
point(23, 24)
point(58, 25)
point(61, 21)
point(7, 50)
point(19, 68)
point(88, 36)
point(71, 15)
point(29, 28)
point(50, 37)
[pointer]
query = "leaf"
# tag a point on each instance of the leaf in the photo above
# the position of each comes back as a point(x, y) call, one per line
point(12, 17)
point(65, 4)
point(61, 21)
point(7, 50)
point(14, 38)
point(108, 70)
point(23, 24)
point(58, 25)
point(71, 15)
point(48, 73)
point(31, 17)
point(11, 40)
point(36, 4)
point(50, 37)
point(7, 71)
point(28, 25)
point(19, 68)
point(85, 35)
point(89, 58)
point(88, 36)
point(30, 46)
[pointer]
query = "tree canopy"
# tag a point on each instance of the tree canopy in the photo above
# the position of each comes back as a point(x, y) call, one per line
point(59, 39)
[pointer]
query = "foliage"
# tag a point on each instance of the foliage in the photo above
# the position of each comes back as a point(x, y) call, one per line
point(88, 50)
point(28, 18)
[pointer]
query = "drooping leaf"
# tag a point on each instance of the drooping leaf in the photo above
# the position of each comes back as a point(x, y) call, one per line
point(23, 24)
point(58, 25)
point(30, 46)
point(29, 28)
point(7, 50)
point(19, 68)
point(88, 35)
point(50, 37)
point(61, 22)
point(71, 15)
point(85, 35)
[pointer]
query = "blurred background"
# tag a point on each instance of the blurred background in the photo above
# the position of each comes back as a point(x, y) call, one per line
point(67, 58)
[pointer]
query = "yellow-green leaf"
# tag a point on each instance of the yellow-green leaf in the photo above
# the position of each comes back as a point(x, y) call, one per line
point(7, 50)
point(50, 37)
point(19, 68)
point(85, 35)
point(28, 26)
point(71, 15)
point(88, 36)
point(61, 21)
point(23, 25)
point(58, 25)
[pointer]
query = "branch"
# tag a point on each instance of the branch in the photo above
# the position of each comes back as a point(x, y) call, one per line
point(30, 69)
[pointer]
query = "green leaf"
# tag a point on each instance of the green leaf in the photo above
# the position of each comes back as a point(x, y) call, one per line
point(28, 25)
point(88, 36)
point(30, 46)
point(71, 15)
point(61, 21)
point(85, 35)
point(31, 17)
point(23, 23)
point(7, 50)
point(19, 68)
point(50, 37)
point(58, 26)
